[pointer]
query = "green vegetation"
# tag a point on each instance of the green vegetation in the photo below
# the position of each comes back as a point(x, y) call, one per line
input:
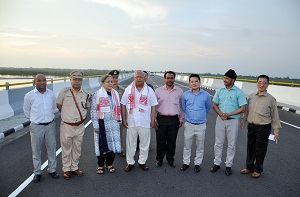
point(49, 71)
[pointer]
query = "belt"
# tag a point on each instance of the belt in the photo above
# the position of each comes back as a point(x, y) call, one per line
point(46, 123)
point(75, 123)
point(230, 118)
point(195, 123)
point(168, 115)
point(259, 124)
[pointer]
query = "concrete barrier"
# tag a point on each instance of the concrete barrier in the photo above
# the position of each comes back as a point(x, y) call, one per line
point(60, 85)
point(186, 78)
point(287, 95)
point(16, 98)
point(6, 110)
point(11, 102)
point(249, 88)
point(94, 82)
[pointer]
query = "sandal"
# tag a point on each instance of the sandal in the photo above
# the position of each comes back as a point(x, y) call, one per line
point(110, 169)
point(67, 175)
point(100, 170)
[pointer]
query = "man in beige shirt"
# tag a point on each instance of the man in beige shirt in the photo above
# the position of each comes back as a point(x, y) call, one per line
point(72, 102)
point(262, 116)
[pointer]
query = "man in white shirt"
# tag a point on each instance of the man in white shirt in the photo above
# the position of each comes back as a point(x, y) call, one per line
point(138, 116)
point(39, 106)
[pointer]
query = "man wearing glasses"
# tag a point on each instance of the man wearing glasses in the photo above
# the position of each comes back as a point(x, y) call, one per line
point(72, 102)
point(262, 116)
point(169, 118)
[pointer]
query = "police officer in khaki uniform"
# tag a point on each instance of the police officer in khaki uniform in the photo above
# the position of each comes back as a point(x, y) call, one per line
point(72, 102)
point(120, 90)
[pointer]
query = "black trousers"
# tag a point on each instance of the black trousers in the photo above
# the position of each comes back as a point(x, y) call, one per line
point(258, 138)
point(166, 135)
point(107, 158)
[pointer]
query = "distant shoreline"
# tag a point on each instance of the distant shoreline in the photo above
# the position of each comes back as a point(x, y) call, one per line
point(94, 72)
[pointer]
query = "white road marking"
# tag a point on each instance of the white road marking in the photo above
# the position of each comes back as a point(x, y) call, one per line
point(289, 124)
point(29, 179)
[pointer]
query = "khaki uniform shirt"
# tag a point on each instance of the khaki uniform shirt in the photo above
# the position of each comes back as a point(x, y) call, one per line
point(262, 110)
point(120, 91)
point(69, 111)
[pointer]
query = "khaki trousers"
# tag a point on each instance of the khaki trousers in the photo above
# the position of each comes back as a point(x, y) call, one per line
point(71, 139)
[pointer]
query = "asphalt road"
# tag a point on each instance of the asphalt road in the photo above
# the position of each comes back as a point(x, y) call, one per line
point(280, 178)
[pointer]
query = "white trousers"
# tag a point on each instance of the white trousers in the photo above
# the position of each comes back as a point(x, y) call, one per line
point(191, 131)
point(229, 129)
point(131, 141)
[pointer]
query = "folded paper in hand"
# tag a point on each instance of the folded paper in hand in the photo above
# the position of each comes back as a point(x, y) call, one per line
point(272, 137)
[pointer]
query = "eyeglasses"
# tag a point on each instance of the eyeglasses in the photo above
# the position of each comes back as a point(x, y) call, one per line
point(262, 83)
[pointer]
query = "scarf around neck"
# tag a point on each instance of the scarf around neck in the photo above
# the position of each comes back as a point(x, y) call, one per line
point(103, 105)
point(143, 101)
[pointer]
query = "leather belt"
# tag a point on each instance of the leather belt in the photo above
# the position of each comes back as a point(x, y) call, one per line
point(195, 123)
point(168, 116)
point(75, 123)
point(259, 124)
point(46, 123)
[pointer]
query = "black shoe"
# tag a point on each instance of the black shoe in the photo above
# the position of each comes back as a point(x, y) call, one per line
point(36, 178)
point(184, 167)
point(128, 167)
point(228, 171)
point(158, 164)
point(172, 164)
point(197, 168)
point(215, 168)
point(54, 175)
point(144, 167)
point(121, 154)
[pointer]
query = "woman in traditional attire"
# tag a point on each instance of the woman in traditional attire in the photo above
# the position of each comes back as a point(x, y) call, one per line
point(106, 118)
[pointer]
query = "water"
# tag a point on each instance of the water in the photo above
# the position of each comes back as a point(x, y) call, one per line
point(12, 79)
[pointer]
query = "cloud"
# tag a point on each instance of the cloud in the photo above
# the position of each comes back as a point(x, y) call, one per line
point(137, 9)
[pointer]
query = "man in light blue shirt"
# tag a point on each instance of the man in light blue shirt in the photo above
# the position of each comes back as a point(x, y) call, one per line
point(229, 102)
point(196, 104)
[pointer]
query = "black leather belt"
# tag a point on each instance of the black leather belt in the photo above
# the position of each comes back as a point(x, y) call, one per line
point(168, 116)
point(230, 118)
point(195, 123)
point(46, 123)
point(259, 124)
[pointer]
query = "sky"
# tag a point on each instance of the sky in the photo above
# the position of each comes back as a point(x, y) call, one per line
point(201, 36)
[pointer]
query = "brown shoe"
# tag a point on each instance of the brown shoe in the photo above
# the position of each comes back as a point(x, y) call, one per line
point(77, 172)
point(67, 175)
point(128, 167)
point(144, 167)
point(255, 174)
point(245, 171)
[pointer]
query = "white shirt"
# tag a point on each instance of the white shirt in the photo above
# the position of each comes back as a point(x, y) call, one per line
point(139, 118)
point(39, 108)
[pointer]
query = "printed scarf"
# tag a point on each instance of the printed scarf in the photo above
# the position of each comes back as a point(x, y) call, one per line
point(103, 104)
point(143, 101)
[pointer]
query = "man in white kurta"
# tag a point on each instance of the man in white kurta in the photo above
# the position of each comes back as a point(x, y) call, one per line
point(138, 115)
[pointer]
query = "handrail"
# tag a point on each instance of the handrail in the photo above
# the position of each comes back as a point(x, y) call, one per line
point(49, 80)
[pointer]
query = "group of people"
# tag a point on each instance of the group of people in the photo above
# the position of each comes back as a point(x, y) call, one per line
point(122, 120)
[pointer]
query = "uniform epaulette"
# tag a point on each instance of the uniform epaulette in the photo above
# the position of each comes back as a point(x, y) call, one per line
point(65, 89)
